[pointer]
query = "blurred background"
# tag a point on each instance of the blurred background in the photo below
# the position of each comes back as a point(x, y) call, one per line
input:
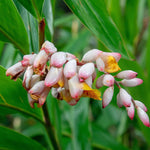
point(86, 125)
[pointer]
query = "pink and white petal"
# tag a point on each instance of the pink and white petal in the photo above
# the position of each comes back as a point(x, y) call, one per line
point(75, 87)
point(49, 48)
point(99, 82)
point(130, 111)
point(100, 64)
point(88, 81)
point(35, 78)
point(117, 56)
point(70, 56)
point(119, 101)
point(126, 74)
point(131, 82)
point(141, 105)
point(91, 55)
point(70, 68)
point(86, 71)
point(40, 60)
point(108, 80)
point(125, 97)
point(107, 96)
point(143, 116)
point(27, 77)
point(38, 88)
point(15, 71)
point(53, 76)
point(44, 95)
point(58, 59)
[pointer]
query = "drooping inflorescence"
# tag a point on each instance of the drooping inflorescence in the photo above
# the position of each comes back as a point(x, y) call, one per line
point(70, 79)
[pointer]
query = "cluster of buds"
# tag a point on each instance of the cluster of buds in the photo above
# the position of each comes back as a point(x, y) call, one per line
point(70, 79)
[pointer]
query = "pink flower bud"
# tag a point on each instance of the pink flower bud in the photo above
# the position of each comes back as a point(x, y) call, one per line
point(38, 88)
point(99, 82)
point(108, 80)
point(100, 64)
point(35, 78)
point(49, 48)
point(40, 62)
point(70, 68)
point(28, 60)
point(70, 56)
point(130, 111)
point(58, 59)
point(27, 77)
point(127, 74)
point(141, 105)
point(15, 71)
point(107, 96)
point(91, 55)
point(53, 76)
point(119, 101)
point(86, 71)
point(125, 98)
point(143, 116)
point(131, 82)
point(75, 87)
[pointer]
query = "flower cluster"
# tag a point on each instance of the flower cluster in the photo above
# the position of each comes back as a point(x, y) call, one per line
point(70, 79)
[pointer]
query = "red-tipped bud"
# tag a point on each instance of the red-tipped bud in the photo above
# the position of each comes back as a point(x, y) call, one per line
point(58, 59)
point(107, 96)
point(127, 74)
point(108, 80)
point(131, 82)
point(100, 64)
point(53, 76)
point(86, 71)
point(141, 105)
point(130, 111)
point(70, 68)
point(91, 55)
point(49, 48)
point(143, 116)
point(99, 82)
point(125, 98)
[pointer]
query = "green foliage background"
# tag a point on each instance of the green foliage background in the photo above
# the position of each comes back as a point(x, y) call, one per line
point(74, 26)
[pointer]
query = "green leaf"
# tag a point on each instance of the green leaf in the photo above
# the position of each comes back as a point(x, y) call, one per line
point(48, 13)
point(78, 118)
point(103, 140)
point(33, 6)
point(10, 139)
point(55, 116)
point(94, 15)
point(12, 28)
point(13, 98)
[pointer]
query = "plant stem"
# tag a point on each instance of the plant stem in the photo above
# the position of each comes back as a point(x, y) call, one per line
point(41, 32)
point(50, 128)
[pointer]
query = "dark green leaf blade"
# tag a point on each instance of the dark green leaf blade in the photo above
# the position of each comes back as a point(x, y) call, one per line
point(12, 28)
point(13, 98)
point(33, 6)
point(94, 15)
point(10, 139)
